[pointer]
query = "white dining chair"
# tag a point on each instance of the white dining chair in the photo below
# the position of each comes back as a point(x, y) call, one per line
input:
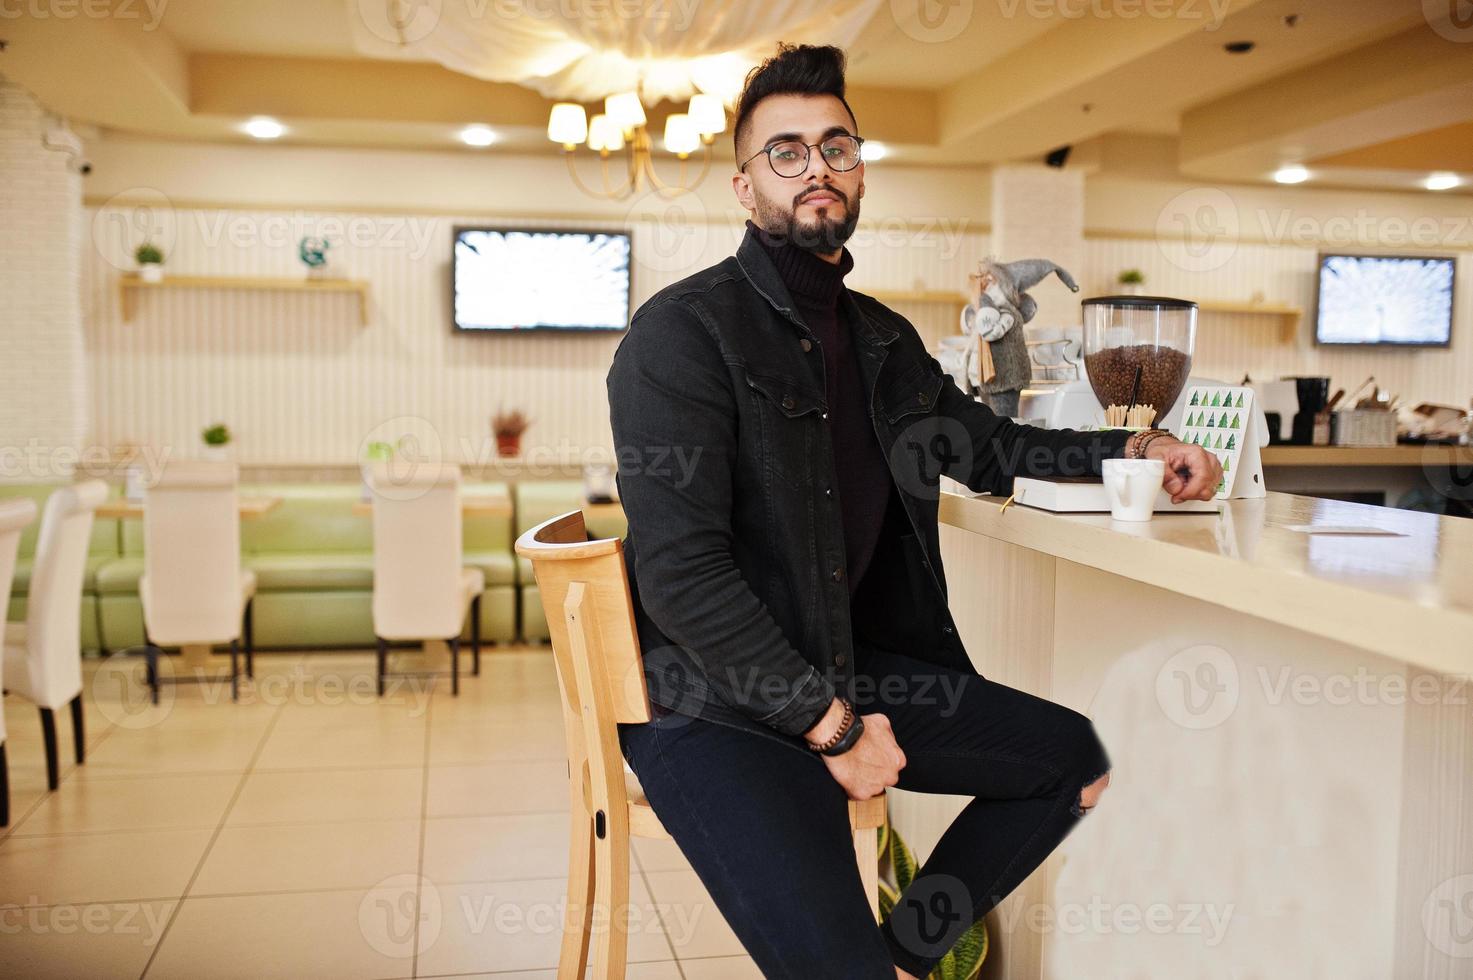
point(15, 516)
point(193, 590)
point(421, 588)
point(43, 655)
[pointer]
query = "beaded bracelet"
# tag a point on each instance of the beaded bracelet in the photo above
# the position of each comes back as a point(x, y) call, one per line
point(844, 725)
point(1135, 446)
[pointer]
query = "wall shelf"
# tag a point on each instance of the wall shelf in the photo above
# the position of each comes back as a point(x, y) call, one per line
point(129, 287)
point(943, 296)
point(1289, 316)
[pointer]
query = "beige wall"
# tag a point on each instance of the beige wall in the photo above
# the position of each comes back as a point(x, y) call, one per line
point(299, 379)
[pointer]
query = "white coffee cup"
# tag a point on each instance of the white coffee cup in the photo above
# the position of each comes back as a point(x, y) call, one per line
point(1131, 486)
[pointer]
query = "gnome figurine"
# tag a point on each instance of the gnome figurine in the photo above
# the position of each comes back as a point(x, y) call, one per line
point(997, 313)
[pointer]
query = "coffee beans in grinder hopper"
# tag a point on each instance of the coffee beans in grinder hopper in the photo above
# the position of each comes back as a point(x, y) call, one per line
point(1164, 371)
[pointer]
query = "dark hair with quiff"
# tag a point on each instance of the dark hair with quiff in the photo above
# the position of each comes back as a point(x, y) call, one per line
point(802, 69)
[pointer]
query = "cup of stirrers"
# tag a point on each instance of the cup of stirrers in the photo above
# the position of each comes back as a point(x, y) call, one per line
point(1119, 416)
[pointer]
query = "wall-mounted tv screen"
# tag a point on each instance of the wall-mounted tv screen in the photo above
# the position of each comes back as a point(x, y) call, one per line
point(507, 279)
point(1385, 299)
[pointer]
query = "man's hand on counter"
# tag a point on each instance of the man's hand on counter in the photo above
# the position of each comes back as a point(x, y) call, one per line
point(1192, 473)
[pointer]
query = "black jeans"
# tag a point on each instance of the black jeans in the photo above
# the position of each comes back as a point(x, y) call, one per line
point(765, 826)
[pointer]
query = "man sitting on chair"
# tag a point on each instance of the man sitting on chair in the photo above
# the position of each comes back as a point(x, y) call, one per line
point(779, 440)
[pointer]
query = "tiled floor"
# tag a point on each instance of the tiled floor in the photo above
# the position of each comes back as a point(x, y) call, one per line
point(287, 835)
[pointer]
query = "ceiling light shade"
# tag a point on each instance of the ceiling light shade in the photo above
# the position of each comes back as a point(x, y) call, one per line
point(873, 150)
point(680, 134)
point(477, 136)
point(604, 134)
point(625, 109)
point(264, 128)
point(1292, 174)
point(707, 114)
point(568, 124)
point(1441, 181)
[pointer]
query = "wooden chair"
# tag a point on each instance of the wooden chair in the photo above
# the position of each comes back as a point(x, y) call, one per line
point(595, 646)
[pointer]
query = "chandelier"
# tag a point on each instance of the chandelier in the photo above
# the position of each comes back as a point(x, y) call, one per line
point(622, 127)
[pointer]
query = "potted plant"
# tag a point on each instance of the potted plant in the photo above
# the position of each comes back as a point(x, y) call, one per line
point(898, 869)
point(217, 438)
point(508, 428)
point(1131, 282)
point(150, 262)
point(374, 452)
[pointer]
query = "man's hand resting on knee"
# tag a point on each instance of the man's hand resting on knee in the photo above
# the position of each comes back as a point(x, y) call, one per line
point(874, 761)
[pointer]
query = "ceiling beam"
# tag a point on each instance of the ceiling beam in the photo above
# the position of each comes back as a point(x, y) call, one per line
point(1065, 59)
point(1413, 81)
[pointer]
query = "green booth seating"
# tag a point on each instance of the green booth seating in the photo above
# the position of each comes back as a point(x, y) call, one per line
point(104, 549)
point(313, 559)
point(536, 502)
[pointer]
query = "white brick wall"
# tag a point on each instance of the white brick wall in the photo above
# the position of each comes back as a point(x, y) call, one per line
point(1038, 213)
point(42, 368)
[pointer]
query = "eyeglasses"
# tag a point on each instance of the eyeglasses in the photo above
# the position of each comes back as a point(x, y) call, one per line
point(790, 157)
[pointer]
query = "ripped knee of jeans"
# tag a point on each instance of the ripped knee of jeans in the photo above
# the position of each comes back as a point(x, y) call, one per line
point(1077, 807)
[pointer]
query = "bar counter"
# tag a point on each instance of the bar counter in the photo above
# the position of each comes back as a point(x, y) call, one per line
point(1289, 723)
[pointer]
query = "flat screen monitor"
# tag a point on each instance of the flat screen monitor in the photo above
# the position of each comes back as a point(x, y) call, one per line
point(1402, 300)
point(510, 279)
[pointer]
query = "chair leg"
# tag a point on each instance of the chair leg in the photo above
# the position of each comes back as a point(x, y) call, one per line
point(78, 734)
point(151, 652)
point(383, 658)
point(4, 787)
point(455, 666)
point(866, 851)
point(250, 637)
point(577, 916)
point(48, 732)
point(235, 670)
point(611, 900)
point(476, 636)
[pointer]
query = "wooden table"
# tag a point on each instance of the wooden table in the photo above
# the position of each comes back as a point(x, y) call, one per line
point(121, 508)
point(483, 505)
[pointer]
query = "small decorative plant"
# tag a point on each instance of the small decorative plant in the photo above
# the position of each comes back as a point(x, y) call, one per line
point(216, 437)
point(508, 428)
point(897, 870)
point(378, 451)
point(150, 262)
point(1131, 280)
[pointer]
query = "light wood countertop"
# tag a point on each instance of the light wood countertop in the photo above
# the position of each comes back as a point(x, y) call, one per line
point(1414, 456)
point(1408, 596)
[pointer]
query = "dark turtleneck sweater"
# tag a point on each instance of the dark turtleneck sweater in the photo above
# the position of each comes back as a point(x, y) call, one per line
point(861, 470)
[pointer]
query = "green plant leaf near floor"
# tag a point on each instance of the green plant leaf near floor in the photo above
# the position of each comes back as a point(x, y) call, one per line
point(897, 870)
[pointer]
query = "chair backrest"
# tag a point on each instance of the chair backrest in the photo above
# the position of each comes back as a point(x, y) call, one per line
point(15, 516)
point(417, 555)
point(595, 644)
point(54, 603)
point(191, 554)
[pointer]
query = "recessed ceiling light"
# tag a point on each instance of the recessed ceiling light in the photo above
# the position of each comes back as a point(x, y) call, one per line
point(1293, 174)
point(477, 136)
point(874, 150)
point(264, 128)
point(1441, 181)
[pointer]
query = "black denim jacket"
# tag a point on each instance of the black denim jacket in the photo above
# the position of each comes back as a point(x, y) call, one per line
point(726, 473)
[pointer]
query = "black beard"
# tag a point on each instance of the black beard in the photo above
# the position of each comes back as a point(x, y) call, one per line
point(827, 237)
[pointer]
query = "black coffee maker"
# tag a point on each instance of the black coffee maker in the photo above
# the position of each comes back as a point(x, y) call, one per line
point(1314, 395)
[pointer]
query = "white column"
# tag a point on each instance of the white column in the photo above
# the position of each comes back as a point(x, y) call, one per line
point(1038, 213)
point(42, 366)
